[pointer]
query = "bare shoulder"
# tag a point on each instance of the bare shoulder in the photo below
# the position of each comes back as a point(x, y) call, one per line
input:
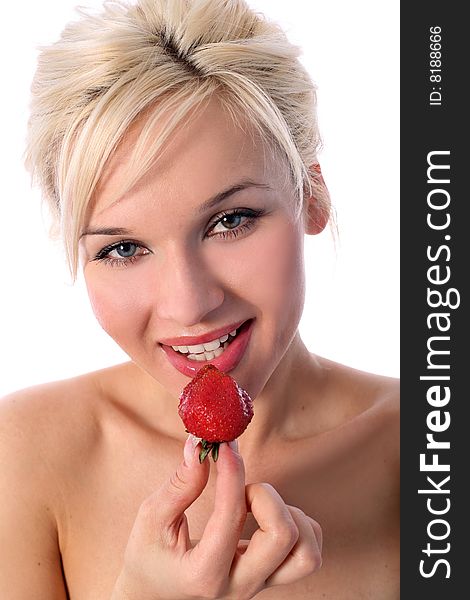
point(39, 443)
point(361, 390)
point(55, 423)
point(368, 407)
point(51, 438)
point(39, 416)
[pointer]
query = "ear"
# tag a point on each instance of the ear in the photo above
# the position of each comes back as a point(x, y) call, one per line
point(317, 206)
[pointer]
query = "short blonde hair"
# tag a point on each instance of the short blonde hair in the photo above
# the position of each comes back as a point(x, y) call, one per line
point(107, 68)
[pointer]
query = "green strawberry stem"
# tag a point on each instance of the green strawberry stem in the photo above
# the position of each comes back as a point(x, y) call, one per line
point(209, 447)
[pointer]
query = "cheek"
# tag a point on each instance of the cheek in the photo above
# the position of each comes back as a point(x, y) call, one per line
point(268, 271)
point(119, 309)
point(282, 282)
point(281, 268)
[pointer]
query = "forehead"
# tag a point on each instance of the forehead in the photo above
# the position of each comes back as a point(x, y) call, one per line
point(207, 152)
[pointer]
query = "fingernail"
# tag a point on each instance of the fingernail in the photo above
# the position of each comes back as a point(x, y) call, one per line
point(234, 445)
point(189, 451)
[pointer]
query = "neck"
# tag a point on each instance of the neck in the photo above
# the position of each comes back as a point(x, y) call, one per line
point(278, 406)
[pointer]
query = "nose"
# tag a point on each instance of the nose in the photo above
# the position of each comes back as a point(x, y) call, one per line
point(188, 289)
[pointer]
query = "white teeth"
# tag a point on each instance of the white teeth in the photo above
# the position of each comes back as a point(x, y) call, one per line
point(208, 355)
point(205, 355)
point(206, 351)
point(210, 346)
point(199, 357)
point(196, 349)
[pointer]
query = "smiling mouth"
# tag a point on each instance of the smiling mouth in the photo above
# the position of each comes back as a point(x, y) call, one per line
point(224, 352)
point(209, 350)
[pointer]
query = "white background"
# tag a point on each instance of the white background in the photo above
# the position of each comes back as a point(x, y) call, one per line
point(352, 309)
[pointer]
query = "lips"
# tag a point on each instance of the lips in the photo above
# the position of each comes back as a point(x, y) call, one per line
point(226, 362)
point(187, 340)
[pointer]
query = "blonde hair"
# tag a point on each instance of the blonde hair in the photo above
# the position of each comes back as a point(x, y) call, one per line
point(173, 55)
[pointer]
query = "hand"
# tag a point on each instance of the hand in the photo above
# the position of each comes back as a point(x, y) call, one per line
point(161, 562)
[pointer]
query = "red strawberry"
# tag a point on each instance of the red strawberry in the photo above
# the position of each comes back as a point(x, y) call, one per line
point(215, 408)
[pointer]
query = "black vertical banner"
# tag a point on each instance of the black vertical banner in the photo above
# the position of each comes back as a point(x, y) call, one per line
point(435, 435)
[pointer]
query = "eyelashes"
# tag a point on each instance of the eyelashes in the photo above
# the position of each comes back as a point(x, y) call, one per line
point(226, 225)
point(128, 255)
point(233, 223)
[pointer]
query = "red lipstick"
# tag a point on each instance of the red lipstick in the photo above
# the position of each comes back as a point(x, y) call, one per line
point(227, 361)
point(192, 340)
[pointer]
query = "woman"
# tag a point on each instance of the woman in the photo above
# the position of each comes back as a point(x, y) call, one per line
point(176, 144)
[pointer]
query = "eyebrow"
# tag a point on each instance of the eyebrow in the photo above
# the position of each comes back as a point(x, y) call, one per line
point(105, 231)
point(221, 196)
point(211, 203)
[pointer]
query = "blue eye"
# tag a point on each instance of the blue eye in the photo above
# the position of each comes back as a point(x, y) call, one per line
point(233, 223)
point(121, 253)
point(125, 249)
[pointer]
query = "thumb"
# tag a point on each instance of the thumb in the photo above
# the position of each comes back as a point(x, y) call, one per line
point(161, 515)
point(185, 484)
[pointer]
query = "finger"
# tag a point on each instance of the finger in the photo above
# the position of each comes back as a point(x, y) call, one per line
point(305, 557)
point(222, 532)
point(161, 516)
point(272, 542)
point(318, 532)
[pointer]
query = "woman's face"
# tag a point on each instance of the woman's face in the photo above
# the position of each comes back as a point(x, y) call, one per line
point(205, 245)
